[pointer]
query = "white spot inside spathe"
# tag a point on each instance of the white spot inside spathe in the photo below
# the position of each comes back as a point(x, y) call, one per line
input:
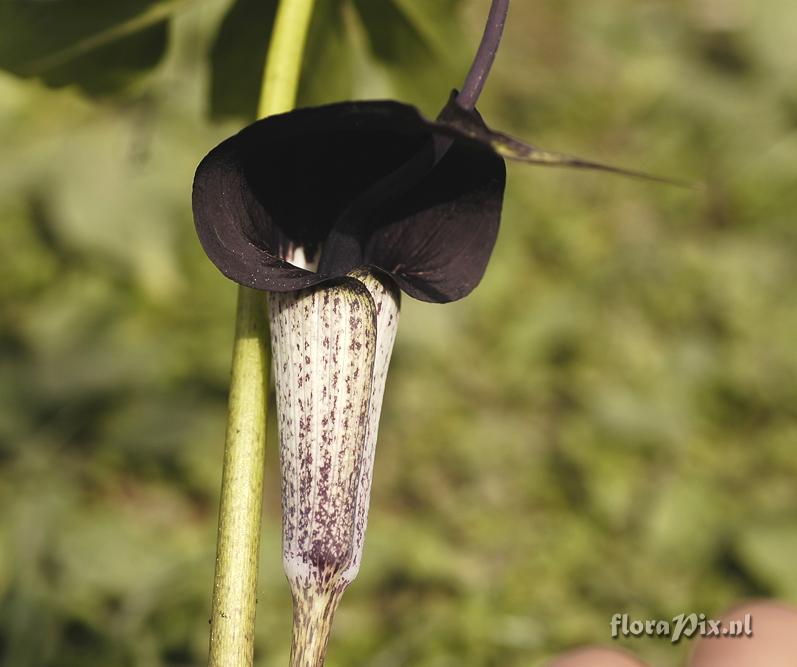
point(296, 256)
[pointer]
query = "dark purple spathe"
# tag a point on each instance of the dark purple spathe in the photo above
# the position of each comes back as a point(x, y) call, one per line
point(285, 181)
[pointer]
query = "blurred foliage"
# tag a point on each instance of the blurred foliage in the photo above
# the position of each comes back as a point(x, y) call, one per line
point(607, 424)
point(97, 45)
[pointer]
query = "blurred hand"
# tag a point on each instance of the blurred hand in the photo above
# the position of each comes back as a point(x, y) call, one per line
point(772, 644)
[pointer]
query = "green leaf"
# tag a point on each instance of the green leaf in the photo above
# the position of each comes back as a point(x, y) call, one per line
point(421, 46)
point(329, 70)
point(435, 22)
point(407, 49)
point(239, 51)
point(98, 46)
point(237, 57)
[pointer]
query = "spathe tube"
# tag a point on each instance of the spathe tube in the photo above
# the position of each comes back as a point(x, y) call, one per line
point(332, 345)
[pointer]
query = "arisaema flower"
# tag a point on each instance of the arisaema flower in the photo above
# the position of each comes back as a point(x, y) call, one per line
point(333, 211)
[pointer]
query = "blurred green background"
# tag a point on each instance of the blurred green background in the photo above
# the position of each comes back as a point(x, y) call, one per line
point(608, 424)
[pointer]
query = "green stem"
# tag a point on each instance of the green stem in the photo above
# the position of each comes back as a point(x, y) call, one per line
point(284, 62)
point(232, 623)
point(234, 589)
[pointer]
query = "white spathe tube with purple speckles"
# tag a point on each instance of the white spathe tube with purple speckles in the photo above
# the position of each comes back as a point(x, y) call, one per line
point(332, 346)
